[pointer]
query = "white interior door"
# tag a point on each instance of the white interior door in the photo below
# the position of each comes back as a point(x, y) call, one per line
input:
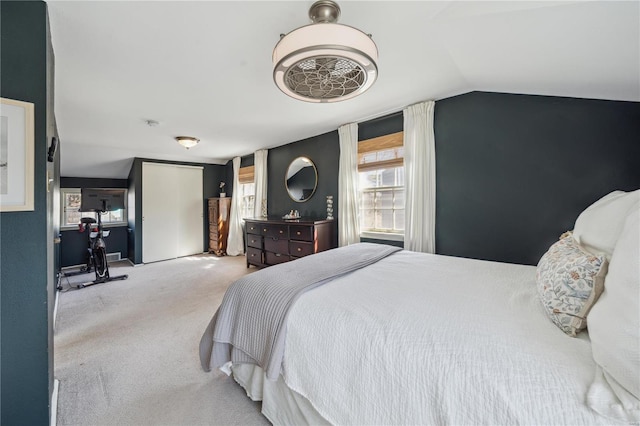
point(159, 212)
point(190, 224)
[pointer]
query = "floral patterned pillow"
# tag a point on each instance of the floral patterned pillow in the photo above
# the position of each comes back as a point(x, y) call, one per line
point(570, 280)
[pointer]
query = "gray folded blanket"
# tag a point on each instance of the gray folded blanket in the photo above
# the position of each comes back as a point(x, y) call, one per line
point(250, 325)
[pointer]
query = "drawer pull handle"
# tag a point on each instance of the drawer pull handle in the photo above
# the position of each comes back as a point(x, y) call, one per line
point(253, 255)
point(299, 249)
point(281, 231)
point(264, 230)
point(298, 233)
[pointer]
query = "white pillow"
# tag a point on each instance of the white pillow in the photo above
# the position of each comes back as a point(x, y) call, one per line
point(614, 328)
point(599, 225)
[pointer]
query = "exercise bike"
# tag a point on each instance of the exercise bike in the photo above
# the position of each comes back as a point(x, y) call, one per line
point(85, 225)
point(98, 253)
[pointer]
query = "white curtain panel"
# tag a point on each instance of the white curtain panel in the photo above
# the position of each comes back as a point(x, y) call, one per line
point(260, 175)
point(420, 178)
point(348, 196)
point(235, 243)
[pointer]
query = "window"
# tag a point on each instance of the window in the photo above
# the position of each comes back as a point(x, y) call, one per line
point(381, 172)
point(71, 213)
point(247, 191)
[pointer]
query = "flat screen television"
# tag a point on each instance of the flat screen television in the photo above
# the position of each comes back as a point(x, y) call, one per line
point(104, 200)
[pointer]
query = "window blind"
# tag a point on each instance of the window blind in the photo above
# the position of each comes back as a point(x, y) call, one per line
point(381, 152)
point(246, 174)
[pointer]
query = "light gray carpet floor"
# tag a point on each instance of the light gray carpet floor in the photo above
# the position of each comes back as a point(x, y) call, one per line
point(126, 352)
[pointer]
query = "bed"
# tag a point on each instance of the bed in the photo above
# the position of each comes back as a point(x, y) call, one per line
point(414, 338)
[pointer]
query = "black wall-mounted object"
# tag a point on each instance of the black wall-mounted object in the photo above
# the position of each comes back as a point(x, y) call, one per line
point(101, 200)
point(51, 154)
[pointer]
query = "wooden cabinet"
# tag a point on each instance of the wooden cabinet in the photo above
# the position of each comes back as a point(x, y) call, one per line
point(273, 241)
point(219, 211)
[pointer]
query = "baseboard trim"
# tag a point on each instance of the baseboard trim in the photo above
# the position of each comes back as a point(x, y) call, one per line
point(54, 403)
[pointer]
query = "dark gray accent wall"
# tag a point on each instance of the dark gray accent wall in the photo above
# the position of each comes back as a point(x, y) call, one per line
point(134, 212)
point(73, 245)
point(513, 172)
point(212, 175)
point(25, 319)
point(392, 123)
point(324, 151)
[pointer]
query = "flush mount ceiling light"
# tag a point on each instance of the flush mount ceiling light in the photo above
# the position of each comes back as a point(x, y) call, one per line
point(187, 141)
point(325, 61)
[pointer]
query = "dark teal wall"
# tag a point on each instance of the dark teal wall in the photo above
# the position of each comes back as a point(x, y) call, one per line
point(392, 123)
point(134, 212)
point(513, 172)
point(212, 175)
point(324, 151)
point(25, 317)
point(73, 245)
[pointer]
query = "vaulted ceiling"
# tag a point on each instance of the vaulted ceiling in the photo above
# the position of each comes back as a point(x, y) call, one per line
point(203, 69)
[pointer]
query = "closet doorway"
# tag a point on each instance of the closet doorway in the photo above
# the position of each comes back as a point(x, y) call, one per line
point(172, 211)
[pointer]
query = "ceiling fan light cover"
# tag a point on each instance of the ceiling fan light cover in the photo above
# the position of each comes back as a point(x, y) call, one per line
point(325, 62)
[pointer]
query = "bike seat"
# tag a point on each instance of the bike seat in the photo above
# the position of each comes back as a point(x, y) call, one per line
point(87, 220)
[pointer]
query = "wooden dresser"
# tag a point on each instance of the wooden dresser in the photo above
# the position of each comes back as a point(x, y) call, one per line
point(273, 241)
point(219, 210)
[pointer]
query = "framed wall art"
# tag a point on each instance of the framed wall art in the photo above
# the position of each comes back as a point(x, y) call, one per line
point(16, 155)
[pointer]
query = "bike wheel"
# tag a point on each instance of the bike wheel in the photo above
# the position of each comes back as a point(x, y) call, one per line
point(100, 262)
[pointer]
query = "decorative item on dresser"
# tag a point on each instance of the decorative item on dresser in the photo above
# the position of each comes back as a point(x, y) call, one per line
point(219, 210)
point(274, 240)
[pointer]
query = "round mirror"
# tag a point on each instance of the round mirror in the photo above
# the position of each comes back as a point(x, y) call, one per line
point(301, 179)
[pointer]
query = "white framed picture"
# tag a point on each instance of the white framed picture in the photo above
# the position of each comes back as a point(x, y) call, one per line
point(16, 155)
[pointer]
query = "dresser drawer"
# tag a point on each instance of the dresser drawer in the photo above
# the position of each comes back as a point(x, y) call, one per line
point(254, 241)
point(254, 256)
point(275, 231)
point(253, 228)
point(276, 245)
point(300, 248)
point(275, 258)
point(298, 232)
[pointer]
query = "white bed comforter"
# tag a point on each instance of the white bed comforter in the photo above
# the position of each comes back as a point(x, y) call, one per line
point(425, 339)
